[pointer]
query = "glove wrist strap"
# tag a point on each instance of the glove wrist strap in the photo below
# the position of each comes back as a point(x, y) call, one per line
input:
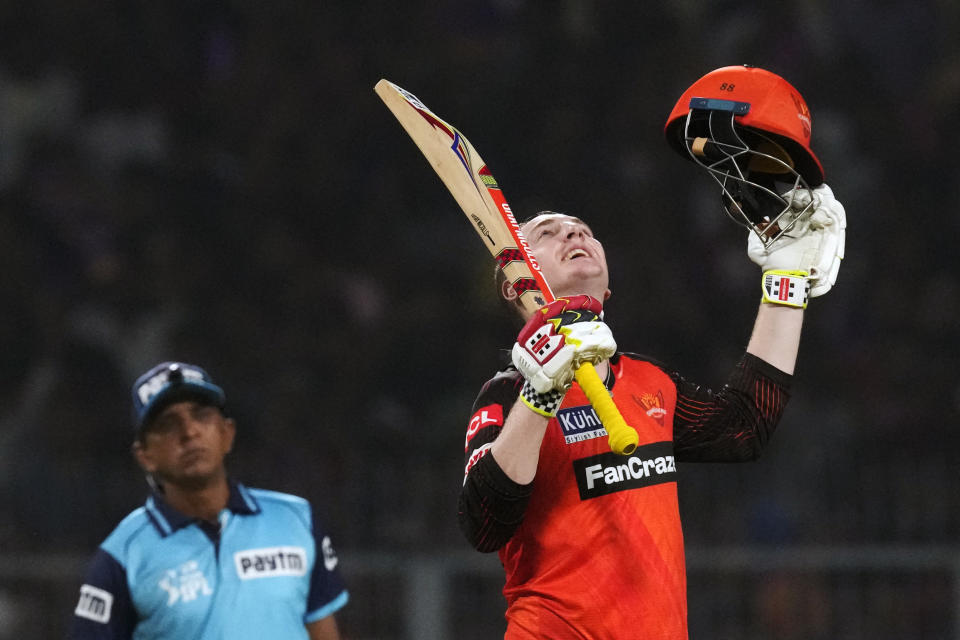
point(546, 404)
point(787, 288)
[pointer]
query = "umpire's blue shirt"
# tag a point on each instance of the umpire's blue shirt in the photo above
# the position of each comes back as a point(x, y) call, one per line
point(266, 571)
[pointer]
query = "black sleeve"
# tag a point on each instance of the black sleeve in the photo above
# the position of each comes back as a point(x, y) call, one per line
point(491, 505)
point(735, 423)
point(105, 610)
point(327, 590)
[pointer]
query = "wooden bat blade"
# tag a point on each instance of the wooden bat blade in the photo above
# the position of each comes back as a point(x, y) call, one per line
point(447, 151)
point(474, 188)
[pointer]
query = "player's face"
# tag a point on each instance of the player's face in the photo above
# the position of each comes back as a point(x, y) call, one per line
point(185, 444)
point(572, 260)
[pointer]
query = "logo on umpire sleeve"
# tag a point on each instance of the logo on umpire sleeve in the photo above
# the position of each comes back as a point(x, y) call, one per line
point(94, 604)
point(330, 559)
point(609, 472)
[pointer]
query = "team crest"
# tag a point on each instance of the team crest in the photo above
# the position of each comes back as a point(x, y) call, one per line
point(652, 404)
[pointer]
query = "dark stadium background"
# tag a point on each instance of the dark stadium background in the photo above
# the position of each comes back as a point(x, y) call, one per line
point(217, 182)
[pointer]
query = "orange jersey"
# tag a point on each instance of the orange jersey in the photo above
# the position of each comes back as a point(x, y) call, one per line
point(598, 552)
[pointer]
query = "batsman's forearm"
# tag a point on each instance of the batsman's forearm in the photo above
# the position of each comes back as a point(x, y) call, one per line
point(517, 448)
point(735, 423)
point(776, 336)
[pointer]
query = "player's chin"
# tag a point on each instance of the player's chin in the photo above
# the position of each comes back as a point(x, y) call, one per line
point(587, 266)
point(587, 278)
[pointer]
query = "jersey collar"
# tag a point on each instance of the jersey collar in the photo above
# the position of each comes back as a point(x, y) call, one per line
point(167, 520)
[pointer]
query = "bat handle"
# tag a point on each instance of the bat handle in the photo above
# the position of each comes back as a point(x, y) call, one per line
point(622, 437)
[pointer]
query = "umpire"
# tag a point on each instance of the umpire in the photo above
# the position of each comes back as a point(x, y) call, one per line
point(205, 557)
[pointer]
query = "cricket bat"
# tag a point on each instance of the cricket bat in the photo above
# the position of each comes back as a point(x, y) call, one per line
point(474, 188)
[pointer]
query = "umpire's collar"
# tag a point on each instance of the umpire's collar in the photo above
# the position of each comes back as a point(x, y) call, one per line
point(166, 519)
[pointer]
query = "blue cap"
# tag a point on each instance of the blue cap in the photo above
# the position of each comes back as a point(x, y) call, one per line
point(172, 382)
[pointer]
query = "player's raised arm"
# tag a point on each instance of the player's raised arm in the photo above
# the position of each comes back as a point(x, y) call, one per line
point(750, 130)
point(800, 265)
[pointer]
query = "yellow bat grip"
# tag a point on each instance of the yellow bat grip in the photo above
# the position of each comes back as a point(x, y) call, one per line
point(622, 437)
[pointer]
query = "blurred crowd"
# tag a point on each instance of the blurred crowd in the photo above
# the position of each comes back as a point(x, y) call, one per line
point(217, 182)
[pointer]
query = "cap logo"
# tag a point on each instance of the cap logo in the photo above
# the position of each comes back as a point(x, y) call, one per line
point(157, 383)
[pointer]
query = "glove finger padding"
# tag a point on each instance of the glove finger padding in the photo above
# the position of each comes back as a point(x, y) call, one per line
point(592, 341)
point(560, 337)
point(815, 244)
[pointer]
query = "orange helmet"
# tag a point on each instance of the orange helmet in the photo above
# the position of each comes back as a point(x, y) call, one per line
point(760, 101)
point(750, 129)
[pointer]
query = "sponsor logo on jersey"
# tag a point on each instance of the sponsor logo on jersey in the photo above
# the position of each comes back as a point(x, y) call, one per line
point(94, 604)
point(652, 404)
point(185, 583)
point(492, 414)
point(579, 424)
point(271, 562)
point(609, 472)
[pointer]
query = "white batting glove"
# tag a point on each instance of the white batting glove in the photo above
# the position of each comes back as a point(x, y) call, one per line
point(814, 245)
point(554, 343)
point(569, 347)
point(547, 381)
